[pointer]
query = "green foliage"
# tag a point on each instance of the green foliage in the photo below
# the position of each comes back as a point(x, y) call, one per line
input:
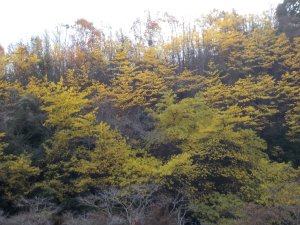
point(218, 209)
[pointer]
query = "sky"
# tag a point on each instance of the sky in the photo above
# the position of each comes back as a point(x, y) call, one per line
point(21, 19)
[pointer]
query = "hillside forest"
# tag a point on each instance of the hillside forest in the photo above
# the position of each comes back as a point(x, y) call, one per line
point(172, 123)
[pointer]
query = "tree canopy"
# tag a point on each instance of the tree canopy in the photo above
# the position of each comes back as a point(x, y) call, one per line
point(191, 122)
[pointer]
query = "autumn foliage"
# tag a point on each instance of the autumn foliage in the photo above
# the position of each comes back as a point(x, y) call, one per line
point(194, 127)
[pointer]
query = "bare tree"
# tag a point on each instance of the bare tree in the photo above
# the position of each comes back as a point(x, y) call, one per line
point(137, 204)
point(37, 204)
point(131, 204)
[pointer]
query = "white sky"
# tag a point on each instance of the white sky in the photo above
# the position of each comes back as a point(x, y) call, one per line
point(20, 19)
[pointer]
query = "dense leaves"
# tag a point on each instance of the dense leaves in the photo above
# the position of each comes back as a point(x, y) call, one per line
point(198, 127)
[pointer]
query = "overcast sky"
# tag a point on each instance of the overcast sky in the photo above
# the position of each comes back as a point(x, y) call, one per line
point(20, 19)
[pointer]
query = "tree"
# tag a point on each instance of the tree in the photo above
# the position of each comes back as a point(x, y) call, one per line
point(288, 17)
point(225, 156)
point(16, 172)
point(289, 86)
point(2, 62)
point(23, 63)
point(251, 101)
point(104, 164)
point(225, 38)
point(141, 86)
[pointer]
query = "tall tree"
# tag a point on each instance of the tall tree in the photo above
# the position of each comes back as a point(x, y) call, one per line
point(288, 16)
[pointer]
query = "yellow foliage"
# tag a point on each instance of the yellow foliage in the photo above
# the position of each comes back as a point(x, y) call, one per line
point(217, 149)
point(290, 91)
point(277, 183)
point(16, 173)
point(250, 101)
point(141, 87)
point(24, 63)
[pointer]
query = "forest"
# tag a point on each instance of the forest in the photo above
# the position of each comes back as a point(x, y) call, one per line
point(172, 123)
